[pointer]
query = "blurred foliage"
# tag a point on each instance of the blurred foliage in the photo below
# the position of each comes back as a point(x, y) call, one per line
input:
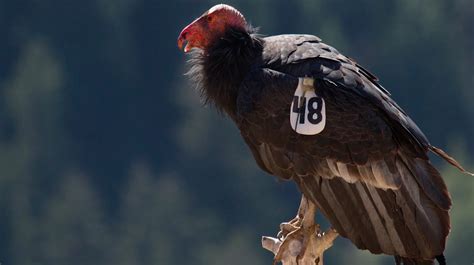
point(108, 157)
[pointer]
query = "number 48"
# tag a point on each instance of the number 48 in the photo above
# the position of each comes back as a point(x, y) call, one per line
point(315, 105)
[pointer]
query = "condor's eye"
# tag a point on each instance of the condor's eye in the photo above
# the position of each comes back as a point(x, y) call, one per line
point(210, 18)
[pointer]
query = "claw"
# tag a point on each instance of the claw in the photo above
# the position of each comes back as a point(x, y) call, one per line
point(287, 228)
point(300, 241)
point(291, 243)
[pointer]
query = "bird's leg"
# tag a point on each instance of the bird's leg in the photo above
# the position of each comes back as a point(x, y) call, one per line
point(303, 226)
point(300, 241)
point(294, 224)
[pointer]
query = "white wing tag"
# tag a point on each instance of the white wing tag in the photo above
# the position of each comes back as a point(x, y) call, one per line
point(308, 110)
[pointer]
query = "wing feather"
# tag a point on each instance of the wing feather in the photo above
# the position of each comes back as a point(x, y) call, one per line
point(368, 170)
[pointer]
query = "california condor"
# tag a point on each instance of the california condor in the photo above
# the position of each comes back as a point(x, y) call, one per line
point(314, 116)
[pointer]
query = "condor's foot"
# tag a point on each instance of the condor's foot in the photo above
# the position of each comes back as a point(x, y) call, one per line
point(300, 241)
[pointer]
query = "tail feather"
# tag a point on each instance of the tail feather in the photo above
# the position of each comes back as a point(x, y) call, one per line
point(449, 159)
point(409, 261)
point(429, 179)
point(441, 259)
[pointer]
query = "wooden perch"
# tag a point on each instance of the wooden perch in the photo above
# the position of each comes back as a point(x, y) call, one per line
point(300, 241)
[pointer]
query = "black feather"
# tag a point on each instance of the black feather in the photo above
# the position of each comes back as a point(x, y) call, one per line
point(219, 71)
point(369, 165)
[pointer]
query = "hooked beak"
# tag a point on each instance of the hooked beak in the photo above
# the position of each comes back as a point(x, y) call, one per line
point(192, 36)
point(182, 40)
point(185, 37)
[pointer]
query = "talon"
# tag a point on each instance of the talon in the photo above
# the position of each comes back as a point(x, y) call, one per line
point(300, 240)
point(286, 228)
point(297, 220)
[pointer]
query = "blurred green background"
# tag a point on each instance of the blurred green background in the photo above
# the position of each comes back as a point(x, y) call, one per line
point(108, 157)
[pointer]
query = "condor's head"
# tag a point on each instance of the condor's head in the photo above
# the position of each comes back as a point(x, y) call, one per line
point(210, 27)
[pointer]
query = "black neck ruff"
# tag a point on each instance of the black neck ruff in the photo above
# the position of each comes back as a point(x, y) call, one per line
point(220, 69)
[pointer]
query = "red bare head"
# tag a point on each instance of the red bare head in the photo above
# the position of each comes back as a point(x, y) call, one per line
point(210, 27)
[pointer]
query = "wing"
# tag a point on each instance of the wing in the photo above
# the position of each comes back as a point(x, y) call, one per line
point(301, 55)
point(358, 144)
point(367, 170)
